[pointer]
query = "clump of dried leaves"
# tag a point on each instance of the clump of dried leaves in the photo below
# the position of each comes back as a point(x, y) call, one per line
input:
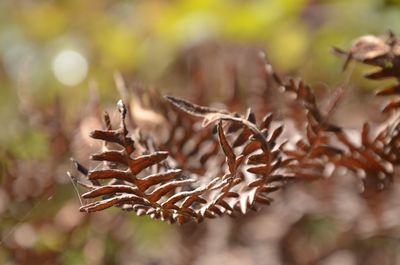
point(195, 162)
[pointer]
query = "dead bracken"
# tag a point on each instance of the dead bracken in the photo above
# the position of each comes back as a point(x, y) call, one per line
point(210, 162)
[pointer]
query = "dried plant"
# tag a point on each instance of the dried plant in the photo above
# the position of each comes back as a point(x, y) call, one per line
point(200, 162)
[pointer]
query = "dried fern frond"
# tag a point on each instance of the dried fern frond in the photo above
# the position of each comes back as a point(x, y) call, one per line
point(376, 157)
point(199, 162)
point(147, 184)
point(312, 153)
point(384, 53)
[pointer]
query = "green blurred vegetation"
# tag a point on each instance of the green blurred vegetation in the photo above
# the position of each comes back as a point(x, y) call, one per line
point(143, 40)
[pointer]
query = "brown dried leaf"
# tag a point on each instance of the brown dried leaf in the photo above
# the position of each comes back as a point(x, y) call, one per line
point(167, 187)
point(210, 114)
point(112, 156)
point(389, 91)
point(111, 189)
point(155, 179)
point(394, 105)
point(138, 164)
point(228, 151)
point(111, 174)
point(259, 170)
point(107, 203)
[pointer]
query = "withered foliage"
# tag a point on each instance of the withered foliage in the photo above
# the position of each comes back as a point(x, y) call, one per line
point(199, 162)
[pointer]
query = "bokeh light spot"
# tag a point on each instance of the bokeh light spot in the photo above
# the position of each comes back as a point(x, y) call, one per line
point(25, 236)
point(70, 67)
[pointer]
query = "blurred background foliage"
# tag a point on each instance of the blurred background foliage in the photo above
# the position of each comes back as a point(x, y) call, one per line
point(50, 51)
point(143, 39)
